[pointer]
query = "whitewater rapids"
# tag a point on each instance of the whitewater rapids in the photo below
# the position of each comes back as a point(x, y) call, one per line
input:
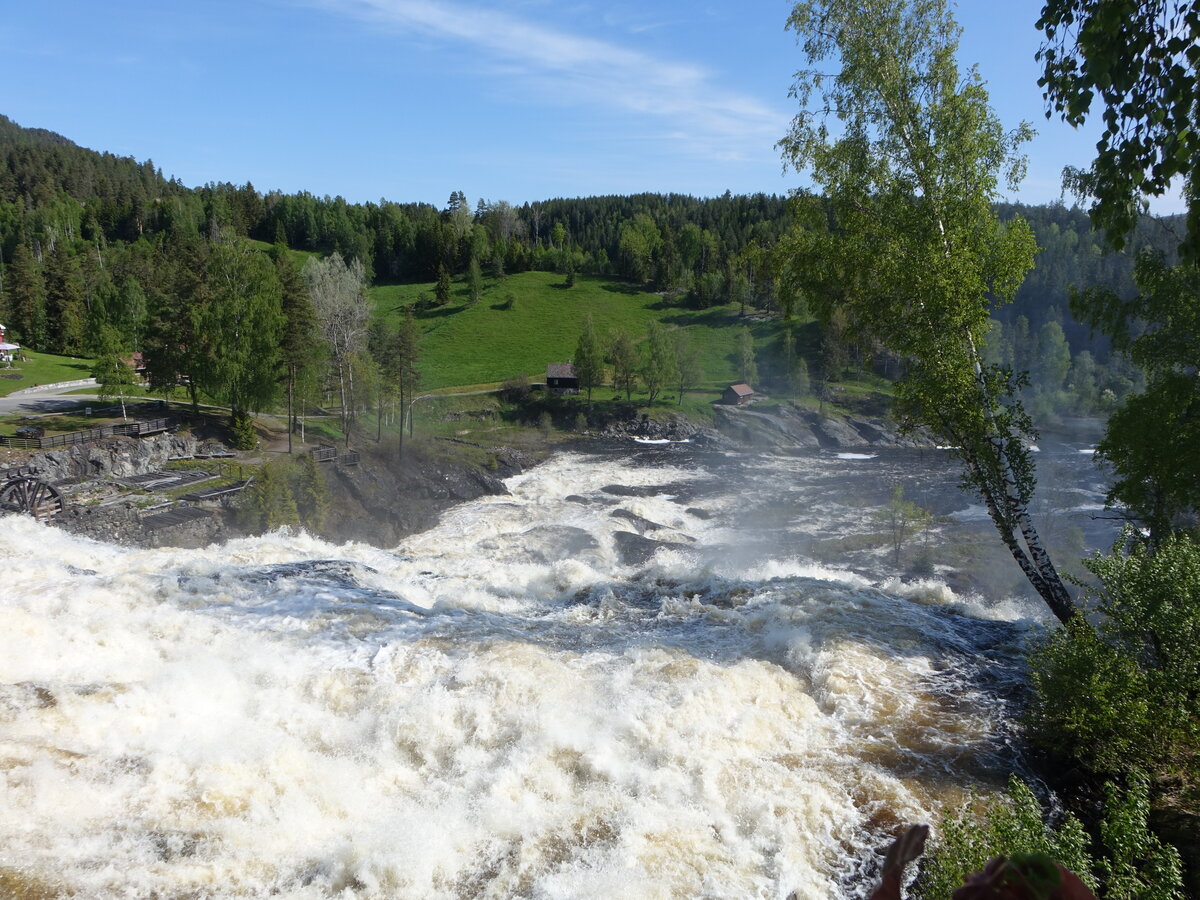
point(499, 707)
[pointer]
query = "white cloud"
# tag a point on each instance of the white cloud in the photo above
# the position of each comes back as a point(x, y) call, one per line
point(569, 69)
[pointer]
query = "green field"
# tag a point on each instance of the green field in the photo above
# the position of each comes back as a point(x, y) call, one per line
point(43, 368)
point(487, 343)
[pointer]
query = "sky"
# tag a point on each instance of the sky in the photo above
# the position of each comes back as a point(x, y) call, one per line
point(409, 100)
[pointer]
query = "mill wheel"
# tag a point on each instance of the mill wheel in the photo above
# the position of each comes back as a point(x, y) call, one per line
point(29, 495)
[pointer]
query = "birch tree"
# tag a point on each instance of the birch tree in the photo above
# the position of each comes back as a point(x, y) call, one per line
point(298, 345)
point(343, 313)
point(589, 358)
point(910, 156)
point(242, 322)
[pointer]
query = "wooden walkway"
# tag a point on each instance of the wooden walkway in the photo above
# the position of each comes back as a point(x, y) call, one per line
point(176, 516)
point(163, 481)
point(217, 493)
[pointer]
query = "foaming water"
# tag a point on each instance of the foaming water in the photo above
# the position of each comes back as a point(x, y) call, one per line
point(527, 700)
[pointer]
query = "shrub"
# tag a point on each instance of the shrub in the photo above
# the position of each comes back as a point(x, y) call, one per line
point(1122, 695)
point(1135, 864)
point(1014, 824)
point(241, 428)
point(516, 390)
point(1138, 865)
point(311, 493)
point(271, 502)
point(288, 492)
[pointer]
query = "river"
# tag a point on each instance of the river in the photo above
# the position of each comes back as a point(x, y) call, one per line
point(522, 701)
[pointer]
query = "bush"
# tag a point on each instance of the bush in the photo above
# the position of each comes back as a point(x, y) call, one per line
point(311, 492)
point(1135, 865)
point(1014, 824)
point(1122, 696)
point(1138, 865)
point(288, 492)
point(272, 504)
point(243, 435)
point(516, 390)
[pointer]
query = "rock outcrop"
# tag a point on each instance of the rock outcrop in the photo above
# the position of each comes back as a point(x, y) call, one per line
point(790, 426)
point(116, 457)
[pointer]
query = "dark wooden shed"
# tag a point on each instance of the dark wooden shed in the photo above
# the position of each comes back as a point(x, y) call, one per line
point(561, 378)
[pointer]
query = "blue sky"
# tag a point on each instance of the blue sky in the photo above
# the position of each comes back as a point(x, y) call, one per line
point(411, 99)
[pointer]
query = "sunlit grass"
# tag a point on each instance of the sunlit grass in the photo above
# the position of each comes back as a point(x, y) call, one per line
point(489, 342)
point(43, 368)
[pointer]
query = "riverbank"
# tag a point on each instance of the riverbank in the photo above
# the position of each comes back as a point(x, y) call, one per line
point(120, 490)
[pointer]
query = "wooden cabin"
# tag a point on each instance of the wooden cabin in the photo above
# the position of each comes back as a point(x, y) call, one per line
point(561, 378)
point(737, 394)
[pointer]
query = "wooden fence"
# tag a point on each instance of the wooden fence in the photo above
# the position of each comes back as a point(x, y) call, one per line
point(70, 438)
point(330, 454)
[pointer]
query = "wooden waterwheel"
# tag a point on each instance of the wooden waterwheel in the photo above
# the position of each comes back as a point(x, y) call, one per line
point(26, 494)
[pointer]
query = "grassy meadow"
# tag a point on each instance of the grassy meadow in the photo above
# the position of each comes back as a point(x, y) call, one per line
point(490, 341)
point(43, 368)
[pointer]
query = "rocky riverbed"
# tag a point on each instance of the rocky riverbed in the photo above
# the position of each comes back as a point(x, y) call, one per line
point(384, 498)
point(776, 427)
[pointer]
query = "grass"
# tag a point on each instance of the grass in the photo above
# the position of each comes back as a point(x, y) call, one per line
point(57, 424)
point(487, 343)
point(43, 368)
point(299, 257)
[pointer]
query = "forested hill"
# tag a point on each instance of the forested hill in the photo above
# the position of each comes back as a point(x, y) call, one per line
point(77, 225)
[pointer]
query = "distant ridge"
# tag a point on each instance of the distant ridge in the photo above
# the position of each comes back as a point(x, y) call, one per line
point(12, 133)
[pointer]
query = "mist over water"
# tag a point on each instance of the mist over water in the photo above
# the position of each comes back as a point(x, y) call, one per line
point(528, 700)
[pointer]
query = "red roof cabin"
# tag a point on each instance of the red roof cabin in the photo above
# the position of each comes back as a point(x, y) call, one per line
point(737, 394)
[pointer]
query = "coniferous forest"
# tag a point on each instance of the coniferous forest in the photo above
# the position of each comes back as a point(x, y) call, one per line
point(100, 252)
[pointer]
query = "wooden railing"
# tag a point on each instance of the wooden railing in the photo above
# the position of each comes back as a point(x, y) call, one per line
point(330, 454)
point(70, 438)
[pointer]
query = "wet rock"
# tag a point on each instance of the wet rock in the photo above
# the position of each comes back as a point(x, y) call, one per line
point(643, 524)
point(631, 490)
point(780, 427)
point(639, 522)
point(635, 549)
point(785, 426)
point(551, 543)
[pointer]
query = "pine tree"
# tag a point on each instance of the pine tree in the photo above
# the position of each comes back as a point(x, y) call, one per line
point(442, 291)
point(64, 302)
point(27, 299)
point(474, 280)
